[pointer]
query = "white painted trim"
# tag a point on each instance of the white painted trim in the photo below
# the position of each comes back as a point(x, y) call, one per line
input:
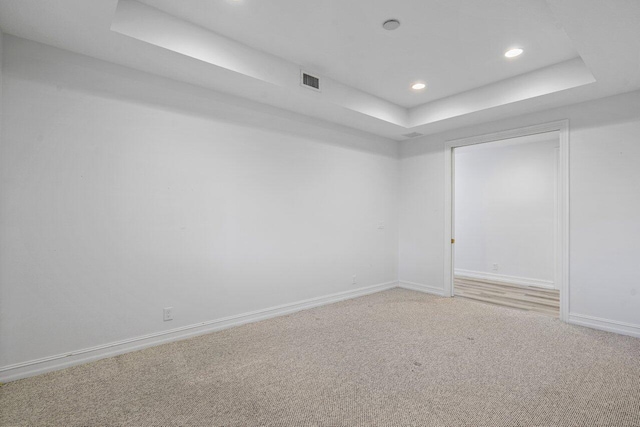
point(562, 272)
point(562, 242)
point(422, 288)
point(522, 281)
point(449, 221)
point(59, 361)
point(605, 324)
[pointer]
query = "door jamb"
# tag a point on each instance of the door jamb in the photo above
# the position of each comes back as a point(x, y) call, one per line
point(562, 243)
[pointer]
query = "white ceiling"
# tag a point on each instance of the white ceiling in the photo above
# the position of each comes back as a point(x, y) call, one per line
point(453, 45)
point(575, 50)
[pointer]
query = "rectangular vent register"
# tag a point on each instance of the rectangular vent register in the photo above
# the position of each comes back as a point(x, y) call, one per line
point(310, 81)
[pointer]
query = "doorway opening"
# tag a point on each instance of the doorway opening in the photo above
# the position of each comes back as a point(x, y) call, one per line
point(507, 219)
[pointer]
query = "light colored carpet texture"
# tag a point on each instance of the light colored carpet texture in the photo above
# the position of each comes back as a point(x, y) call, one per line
point(395, 358)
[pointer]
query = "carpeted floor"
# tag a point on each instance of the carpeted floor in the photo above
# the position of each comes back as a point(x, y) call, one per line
point(396, 358)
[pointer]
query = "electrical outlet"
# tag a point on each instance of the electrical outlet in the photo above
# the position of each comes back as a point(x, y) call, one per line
point(167, 313)
point(495, 267)
point(354, 280)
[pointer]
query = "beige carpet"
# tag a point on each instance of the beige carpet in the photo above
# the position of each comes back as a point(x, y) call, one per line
point(397, 358)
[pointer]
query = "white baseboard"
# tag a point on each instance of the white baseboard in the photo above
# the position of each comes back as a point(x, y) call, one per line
point(421, 288)
point(522, 281)
point(605, 324)
point(77, 357)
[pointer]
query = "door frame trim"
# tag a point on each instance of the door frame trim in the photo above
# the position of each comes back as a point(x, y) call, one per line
point(562, 240)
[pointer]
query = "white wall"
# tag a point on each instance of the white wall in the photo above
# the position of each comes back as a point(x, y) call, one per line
point(505, 209)
point(604, 202)
point(123, 193)
point(1, 72)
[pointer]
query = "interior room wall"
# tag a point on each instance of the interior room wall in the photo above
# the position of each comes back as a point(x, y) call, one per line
point(505, 210)
point(1, 38)
point(604, 208)
point(123, 193)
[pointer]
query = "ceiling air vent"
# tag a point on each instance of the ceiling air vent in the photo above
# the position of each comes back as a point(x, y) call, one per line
point(310, 81)
point(412, 134)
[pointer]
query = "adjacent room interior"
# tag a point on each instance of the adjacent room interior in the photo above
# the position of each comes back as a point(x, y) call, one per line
point(285, 213)
point(507, 207)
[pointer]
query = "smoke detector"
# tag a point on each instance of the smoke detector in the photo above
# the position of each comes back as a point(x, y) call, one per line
point(391, 24)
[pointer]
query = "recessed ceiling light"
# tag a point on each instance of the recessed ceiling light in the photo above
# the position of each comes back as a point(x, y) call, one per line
point(418, 86)
point(512, 53)
point(391, 24)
